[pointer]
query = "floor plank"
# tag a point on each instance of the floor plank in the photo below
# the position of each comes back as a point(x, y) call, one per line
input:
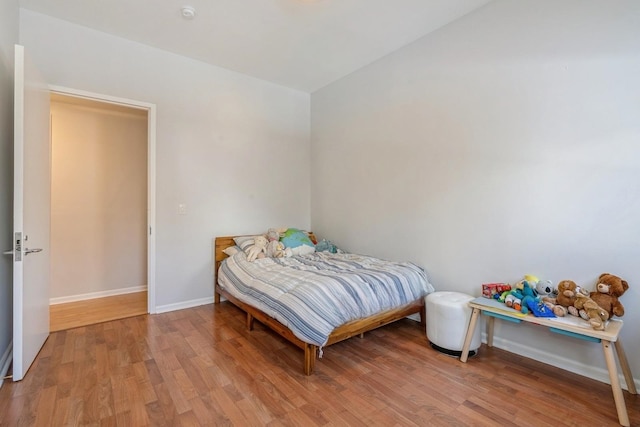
point(202, 367)
point(88, 312)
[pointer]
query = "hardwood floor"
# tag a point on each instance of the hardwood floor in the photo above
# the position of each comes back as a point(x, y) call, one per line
point(202, 367)
point(88, 312)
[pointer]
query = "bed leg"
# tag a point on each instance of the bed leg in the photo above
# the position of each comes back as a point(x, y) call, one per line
point(361, 335)
point(309, 358)
point(216, 298)
point(249, 322)
point(423, 316)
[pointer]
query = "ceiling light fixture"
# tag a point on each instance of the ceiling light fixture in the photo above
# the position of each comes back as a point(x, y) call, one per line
point(188, 12)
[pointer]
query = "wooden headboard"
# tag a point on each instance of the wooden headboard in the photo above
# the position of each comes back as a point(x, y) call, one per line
point(222, 243)
point(219, 245)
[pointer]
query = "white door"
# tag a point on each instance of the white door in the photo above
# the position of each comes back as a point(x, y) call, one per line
point(31, 214)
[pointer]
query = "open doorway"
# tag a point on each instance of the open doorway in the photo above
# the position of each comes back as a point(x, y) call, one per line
point(102, 213)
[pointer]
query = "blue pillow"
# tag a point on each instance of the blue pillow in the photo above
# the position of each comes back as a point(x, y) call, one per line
point(294, 238)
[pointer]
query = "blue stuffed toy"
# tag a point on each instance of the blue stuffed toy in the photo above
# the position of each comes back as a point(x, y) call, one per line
point(538, 308)
point(327, 246)
point(525, 299)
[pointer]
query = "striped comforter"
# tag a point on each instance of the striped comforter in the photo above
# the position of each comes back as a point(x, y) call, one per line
point(313, 294)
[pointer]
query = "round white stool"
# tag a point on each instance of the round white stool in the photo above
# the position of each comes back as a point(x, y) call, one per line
point(448, 315)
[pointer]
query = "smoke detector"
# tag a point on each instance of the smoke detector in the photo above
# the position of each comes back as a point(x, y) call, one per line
point(188, 12)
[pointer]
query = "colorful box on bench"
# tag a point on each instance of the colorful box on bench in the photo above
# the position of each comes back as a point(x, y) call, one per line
point(491, 289)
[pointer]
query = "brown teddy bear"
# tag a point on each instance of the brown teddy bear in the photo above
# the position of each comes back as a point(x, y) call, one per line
point(590, 310)
point(564, 302)
point(608, 290)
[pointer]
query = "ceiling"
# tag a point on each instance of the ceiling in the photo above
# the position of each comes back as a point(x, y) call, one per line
point(302, 44)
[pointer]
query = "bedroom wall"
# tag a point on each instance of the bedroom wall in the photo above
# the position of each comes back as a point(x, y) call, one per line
point(233, 149)
point(505, 143)
point(98, 200)
point(8, 37)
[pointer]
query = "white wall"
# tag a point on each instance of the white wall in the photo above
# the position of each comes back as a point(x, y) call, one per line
point(98, 200)
point(233, 149)
point(8, 37)
point(503, 144)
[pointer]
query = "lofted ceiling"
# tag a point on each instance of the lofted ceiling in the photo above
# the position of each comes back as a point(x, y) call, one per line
point(302, 44)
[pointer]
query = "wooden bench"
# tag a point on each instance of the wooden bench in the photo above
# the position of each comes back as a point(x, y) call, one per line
point(570, 326)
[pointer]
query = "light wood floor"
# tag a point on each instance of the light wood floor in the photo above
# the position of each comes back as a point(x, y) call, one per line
point(88, 312)
point(202, 367)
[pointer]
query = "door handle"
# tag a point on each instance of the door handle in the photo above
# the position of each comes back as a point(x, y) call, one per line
point(26, 252)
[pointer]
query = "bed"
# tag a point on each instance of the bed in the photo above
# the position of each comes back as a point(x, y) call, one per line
point(236, 281)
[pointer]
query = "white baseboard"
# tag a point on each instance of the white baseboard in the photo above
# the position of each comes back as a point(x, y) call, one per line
point(93, 295)
point(5, 362)
point(599, 374)
point(184, 304)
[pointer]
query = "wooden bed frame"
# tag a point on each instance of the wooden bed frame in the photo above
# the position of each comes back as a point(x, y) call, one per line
point(348, 330)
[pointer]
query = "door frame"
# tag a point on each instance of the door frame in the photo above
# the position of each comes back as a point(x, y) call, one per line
point(151, 175)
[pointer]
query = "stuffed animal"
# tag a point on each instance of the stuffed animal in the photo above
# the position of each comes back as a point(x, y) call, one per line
point(529, 296)
point(327, 246)
point(541, 305)
point(273, 235)
point(524, 298)
point(590, 311)
point(513, 298)
point(276, 249)
point(563, 303)
point(548, 293)
point(557, 309)
point(521, 297)
point(545, 288)
point(503, 296)
point(257, 250)
point(519, 290)
point(608, 290)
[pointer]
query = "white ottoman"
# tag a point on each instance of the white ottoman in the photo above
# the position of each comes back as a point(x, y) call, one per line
point(448, 315)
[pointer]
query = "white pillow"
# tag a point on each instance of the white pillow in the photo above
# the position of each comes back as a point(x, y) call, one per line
point(232, 250)
point(302, 250)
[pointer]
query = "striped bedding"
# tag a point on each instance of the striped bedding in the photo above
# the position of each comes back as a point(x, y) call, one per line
point(315, 293)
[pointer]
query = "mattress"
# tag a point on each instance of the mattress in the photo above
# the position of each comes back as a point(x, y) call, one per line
point(315, 293)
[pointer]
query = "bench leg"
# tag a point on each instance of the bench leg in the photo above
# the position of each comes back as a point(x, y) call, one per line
point(624, 364)
point(467, 339)
point(618, 397)
point(490, 326)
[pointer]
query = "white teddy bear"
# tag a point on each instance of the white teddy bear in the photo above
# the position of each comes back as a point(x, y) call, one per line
point(276, 249)
point(258, 248)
